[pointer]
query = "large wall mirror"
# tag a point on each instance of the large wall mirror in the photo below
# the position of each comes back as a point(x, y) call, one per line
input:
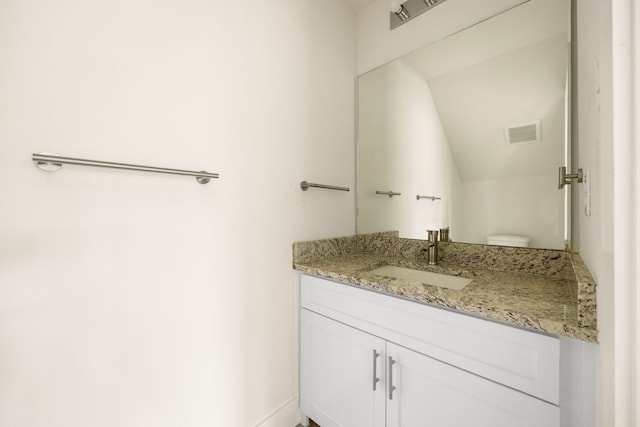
point(475, 124)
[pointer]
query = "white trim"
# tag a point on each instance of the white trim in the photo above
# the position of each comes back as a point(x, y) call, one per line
point(286, 415)
point(635, 203)
point(578, 383)
point(625, 211)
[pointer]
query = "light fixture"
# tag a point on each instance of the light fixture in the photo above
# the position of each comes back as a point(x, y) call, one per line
point(402, 11)
point(399, 10)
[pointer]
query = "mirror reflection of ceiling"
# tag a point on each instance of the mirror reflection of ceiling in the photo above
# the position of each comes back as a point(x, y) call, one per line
point(476, 79)
point(357, 5)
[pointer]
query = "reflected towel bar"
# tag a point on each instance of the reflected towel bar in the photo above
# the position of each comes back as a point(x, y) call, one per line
point(433, 198)
point(305, 186)
point(389, 193)
point(50, 163)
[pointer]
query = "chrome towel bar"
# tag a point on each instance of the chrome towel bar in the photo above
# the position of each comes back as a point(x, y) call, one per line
point(433, 198)
point(50, 163)
point(389, 193)
point(305, 186)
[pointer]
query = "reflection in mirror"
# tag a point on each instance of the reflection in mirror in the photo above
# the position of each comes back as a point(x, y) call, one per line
point(478, 120)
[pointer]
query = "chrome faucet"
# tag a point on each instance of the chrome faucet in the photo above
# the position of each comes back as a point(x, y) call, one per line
point(432, 247)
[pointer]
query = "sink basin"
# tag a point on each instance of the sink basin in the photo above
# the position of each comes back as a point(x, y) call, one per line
point(433, 279)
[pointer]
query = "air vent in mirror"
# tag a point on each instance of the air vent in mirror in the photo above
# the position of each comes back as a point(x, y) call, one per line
point(523, 134)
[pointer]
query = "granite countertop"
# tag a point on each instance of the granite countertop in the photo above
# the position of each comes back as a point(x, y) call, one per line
point(544, 290)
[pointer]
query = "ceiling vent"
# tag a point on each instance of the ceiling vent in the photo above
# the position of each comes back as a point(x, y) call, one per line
point(522, 134)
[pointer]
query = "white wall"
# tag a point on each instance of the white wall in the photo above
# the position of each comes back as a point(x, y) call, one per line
point(593, 235)
point(402, 147)
point(521, 206)
point(608, 239)
point(136, 299)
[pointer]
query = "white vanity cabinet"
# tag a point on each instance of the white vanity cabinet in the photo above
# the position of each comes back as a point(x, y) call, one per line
point(428, 392)
point(372, 360)
point(343, 374)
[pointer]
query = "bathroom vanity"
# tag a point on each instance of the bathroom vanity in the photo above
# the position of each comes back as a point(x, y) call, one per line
point(514, 347)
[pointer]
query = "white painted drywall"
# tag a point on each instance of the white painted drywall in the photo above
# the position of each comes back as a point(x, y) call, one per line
point(520, 206)
point(606, 99)
point(135, 299)
point(476, 104)
point(403, 148)
point(593, 235)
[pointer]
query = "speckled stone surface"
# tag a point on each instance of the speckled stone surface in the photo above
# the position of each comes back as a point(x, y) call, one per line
point(545, 290)
point(586, 292)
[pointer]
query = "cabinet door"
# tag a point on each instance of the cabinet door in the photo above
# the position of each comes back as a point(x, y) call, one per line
point(431, 393)
point(338, 367)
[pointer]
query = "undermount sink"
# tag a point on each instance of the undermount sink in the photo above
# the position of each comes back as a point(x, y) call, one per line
point(427, 277)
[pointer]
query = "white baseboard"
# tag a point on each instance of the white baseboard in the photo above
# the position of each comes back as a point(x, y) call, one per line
point(286, 415)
